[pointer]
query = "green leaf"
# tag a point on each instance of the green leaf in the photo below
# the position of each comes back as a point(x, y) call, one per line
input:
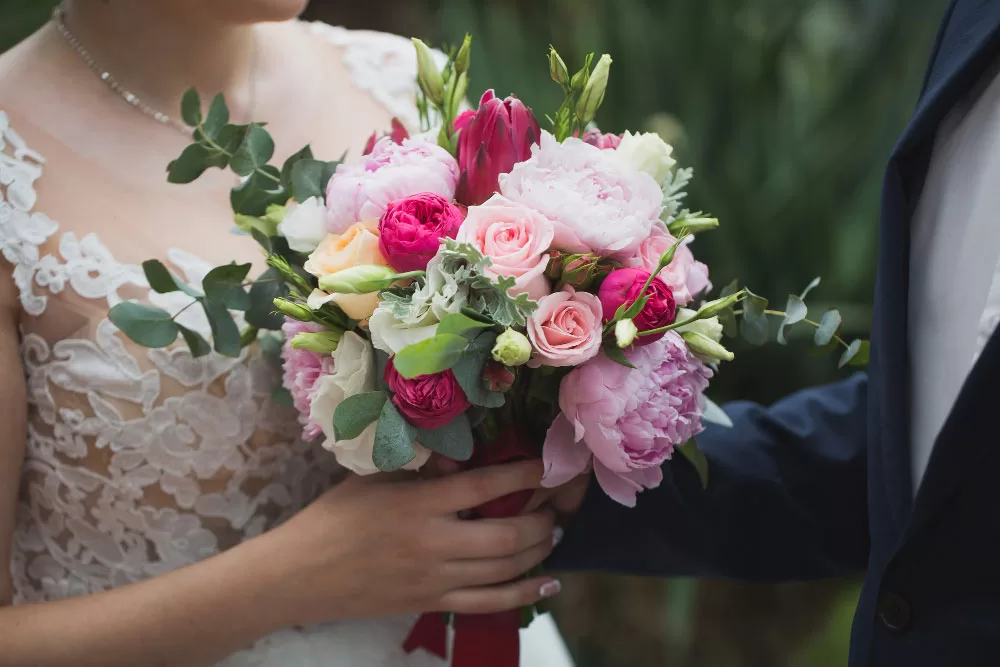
point(697, 458)
point(199, 346)
point(309, 178)
point(755, 328)
point(192, 163)
point(191, 107)
point(795, 312)
point(617, 355)
point(163, 282)
point(393, 440)
point(856, 354)
point(231, 137)
point(254, 195)
point(356, 413)
point(727, 317)
point(255, 151)
point(469, 372)
point(453, 440)
point(147, 326)
point(225, 333)
point(286, 169)
point(827, 329)
point(263, 292)
point(217, 118)
point(810, 287)
point(460, 325)
point(434, 355)
point(714, 414)
point(270, 346)
point(224, 284)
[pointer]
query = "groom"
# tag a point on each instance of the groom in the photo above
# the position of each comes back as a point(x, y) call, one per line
point(897, 472)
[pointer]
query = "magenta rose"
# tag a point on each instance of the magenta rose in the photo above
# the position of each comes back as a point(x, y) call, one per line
point(625, 286)
point(427, 401)
point(565, 330)
point(411, 230)
point(626, 422)
point(685, 276)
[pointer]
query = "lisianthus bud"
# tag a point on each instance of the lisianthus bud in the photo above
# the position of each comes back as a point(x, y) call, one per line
point(710, 327)
point(362, 279)
point(275, 213)
point(296, 311)
point(512, 348)
point(713, 308)
point(464, 56)
point(321, 343)
point(625, 333)
point(593, 93)
point(557, 67)
point(428, 73)
point(705, 348)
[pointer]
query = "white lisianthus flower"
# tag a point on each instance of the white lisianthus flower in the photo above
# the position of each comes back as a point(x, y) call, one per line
point(305, 225)
point(648, 153)
point(354, 373)
point(710, 327)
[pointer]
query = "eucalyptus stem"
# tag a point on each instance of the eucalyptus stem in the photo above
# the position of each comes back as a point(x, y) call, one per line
point(178, 313)
point(779, 313)
point(207, 139)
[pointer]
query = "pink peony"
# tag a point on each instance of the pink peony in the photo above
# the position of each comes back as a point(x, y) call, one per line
point(597, 203)
point(601, 140)
point(566, 328)
point(427, 401)
point(685, 277)
point(626, 421)
point(302, 369)
point(515, 238)
point(362, 191)
point(625, 286)
point(411, 230)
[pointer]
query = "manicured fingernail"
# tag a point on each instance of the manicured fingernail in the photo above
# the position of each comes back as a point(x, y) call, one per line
point(557, 535)
point(550, 588)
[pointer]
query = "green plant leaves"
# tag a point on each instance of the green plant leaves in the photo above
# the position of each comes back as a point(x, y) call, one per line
point(147, 326)
point(309, 178)
point(469, 372)
point(255, 151)
point(616, 354)
point(795, 312)
point(755, 327)
point(163, 282)
point(198, 346)
point(829, 324)
point(255, 194)
point(453, 440)
point(434, 355)
point(191, 107)
point(217, 118)
point(263, 292)
point(192, 163)
point(461, 325)
point(356, 413)
point(225, 333)
point(692, 453)
point(224, 284)
point(856, 354)
point(287, 168)
point(393, 440)
point(727, 317)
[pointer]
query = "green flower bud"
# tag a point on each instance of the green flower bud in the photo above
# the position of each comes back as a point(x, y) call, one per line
point(625, 333)
point(461, 87)
point(296, 311)
point(464, 57)
point(428, 74)
point(512, 348)
point(593, 93)
point(275, 214)
point(557, 68)
point(363, 279)
point(710, 327)
point(325, 342)
point(705, 348)
point(713, 308)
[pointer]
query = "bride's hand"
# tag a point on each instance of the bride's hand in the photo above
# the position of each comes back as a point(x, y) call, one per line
point(373, 547)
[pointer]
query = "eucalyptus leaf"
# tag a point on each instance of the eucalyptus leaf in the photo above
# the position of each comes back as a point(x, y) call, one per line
point(856, 354)
point(810, 287)
point(162, 281)
point(225, 333)
point(356, 413)
point(192, 163)
point(755, 327)
point(286, 169)
point(692, 453)
point(191, 107)
point(727, 317)
point(255, 151)
point(381, 360)
point(217, 118)
point(263, 292)
point(309, 178)
point(795, 312)
point(224, 284)
point(469, 372)
point(255, 194)
point(147, 326)
point(270, 347)
point(434, 355)
point(393, 440)
point(617, 355)
point(714, 414)
point(453, 440)
point(198, 346)
point(829, 324)
point(230, 137)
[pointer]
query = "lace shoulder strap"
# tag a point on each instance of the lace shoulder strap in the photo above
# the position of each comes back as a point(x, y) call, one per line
point(382, 64)
point(22, 230)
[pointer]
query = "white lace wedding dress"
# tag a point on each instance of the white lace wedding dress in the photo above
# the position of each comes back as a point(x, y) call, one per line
point(142, 461)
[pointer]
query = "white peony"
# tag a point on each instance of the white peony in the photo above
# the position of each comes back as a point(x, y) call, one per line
point(354, 373)
point(305, 225)
point(648, 153)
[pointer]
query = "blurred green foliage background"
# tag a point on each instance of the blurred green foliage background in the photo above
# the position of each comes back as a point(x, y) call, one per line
point(787, 110)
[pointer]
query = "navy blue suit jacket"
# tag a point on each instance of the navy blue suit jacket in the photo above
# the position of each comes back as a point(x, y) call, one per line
point(820, 484)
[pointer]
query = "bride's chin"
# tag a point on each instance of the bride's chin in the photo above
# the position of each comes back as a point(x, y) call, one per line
point(242, 12)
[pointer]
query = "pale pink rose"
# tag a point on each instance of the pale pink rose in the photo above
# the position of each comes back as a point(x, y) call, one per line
point(361, 191)
point(626, 421)
point(566, 328)
point(597, 202)
point(515, 238)
point(686, 277)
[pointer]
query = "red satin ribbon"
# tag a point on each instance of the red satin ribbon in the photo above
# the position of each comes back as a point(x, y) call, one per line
point(481, 640)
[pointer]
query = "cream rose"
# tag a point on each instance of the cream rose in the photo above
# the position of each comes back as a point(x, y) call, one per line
point(356, 246)
point(648, 153)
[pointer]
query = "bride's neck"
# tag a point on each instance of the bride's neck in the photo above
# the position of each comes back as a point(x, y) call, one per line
point(158, 55)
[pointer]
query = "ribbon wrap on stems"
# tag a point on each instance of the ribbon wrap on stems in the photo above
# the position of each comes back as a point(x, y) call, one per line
point(482, 640)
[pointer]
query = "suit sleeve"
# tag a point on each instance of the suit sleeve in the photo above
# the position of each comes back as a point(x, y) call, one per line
point(786, 499)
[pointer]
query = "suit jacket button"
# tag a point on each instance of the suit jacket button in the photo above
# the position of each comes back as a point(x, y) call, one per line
point(894, 612)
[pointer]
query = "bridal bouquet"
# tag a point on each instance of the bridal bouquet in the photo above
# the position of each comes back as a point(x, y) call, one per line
point(483, 289)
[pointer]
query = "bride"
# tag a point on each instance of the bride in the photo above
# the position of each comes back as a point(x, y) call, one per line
point(139, 488)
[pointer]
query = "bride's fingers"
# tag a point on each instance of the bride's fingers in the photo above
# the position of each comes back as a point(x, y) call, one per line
point(487, 571)
point(498, 538)
point(495, 599)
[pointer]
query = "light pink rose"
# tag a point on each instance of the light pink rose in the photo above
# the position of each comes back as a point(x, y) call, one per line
point(566, 328)
point(626, 421)
point(361, 191)
point(516, 239)
point(596, 202)
point(686, 277)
